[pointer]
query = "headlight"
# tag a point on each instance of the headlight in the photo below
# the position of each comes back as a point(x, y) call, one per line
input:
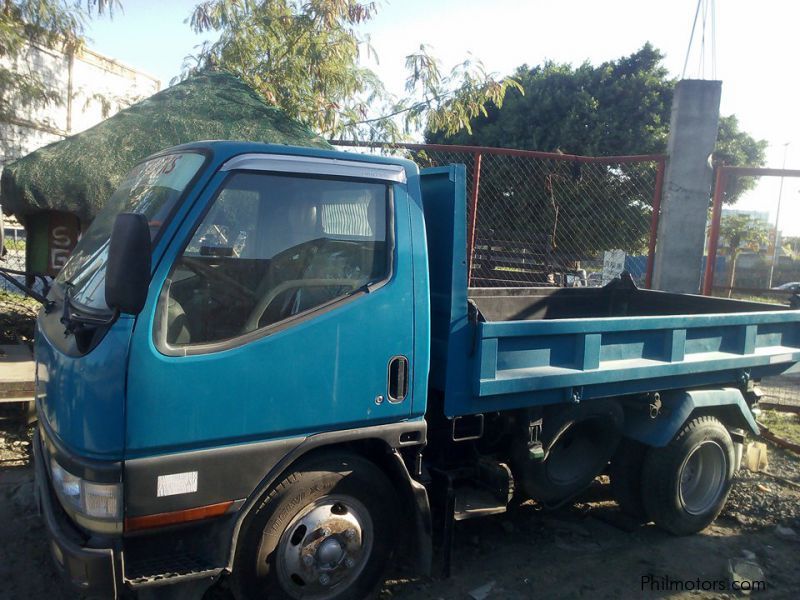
point(101, 501)
point(95, 506)
point(66, 483)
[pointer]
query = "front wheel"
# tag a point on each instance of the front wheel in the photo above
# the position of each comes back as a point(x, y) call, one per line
point(325, 532)
point(686, 484)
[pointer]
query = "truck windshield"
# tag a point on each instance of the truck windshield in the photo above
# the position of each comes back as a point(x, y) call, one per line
point(152, 188)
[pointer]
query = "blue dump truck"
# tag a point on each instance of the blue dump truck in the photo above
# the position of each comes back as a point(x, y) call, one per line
point(264, 364)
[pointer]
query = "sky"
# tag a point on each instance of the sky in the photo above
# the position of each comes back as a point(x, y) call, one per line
point(757, 50)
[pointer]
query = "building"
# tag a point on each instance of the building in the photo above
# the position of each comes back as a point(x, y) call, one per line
point(90, 86)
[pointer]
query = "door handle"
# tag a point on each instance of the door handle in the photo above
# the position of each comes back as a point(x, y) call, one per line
point(397, 388)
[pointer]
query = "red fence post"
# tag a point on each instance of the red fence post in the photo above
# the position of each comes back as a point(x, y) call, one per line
point(473, 216)
point(654, 218)
point(713, 234)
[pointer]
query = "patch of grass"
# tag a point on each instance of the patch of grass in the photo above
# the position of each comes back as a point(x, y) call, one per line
point(24, 303)
point(10, 244)
point(785, 425)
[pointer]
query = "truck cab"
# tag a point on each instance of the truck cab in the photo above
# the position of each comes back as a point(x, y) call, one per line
point(284, 303)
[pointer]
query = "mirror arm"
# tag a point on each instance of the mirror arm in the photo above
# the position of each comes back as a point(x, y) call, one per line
point(74, 322)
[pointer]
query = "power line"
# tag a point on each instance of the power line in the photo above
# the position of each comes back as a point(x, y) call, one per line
point(705, 11)
point(691, 39)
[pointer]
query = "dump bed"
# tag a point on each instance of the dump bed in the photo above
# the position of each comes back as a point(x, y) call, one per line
point(628, 341)
point(499, 349)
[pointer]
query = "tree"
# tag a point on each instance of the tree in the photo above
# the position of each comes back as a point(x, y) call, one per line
point(735, 147)
point(48, 23)
point(304, 58)
point(741, 232)
point(620, 107)
point(791, 245)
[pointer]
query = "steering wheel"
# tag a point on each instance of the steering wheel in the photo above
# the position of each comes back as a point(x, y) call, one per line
point(204, 270)
point(258, 312)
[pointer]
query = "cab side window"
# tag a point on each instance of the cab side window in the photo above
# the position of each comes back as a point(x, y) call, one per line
point(272, 247)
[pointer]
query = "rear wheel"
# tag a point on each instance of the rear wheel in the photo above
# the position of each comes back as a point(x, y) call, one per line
point(686, 484)
point(579, 442)
point(325, 532)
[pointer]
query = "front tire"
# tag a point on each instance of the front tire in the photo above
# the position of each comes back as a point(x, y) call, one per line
point(325, 532)
point(686, 484)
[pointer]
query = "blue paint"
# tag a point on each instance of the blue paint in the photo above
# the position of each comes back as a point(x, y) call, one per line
point(83, 397)
point(444, 203)
point(321, 374)
point(637, 267)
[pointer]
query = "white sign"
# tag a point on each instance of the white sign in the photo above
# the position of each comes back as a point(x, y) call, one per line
point(177, 483)
point(613, 265)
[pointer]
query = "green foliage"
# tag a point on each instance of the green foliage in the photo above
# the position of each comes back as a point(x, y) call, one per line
point(303, 57)
point(736, 147)
point(791, 245)
point(620, 107)
point(739, 232)
point(616, 108)
point(49, 23)
point(80, 173)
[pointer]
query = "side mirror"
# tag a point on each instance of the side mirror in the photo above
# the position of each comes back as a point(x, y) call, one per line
point(128, 268)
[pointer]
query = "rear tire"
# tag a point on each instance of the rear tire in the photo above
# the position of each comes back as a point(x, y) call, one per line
point(625, 473)
point(325, 532)
point(686, 483)
point(579, 442)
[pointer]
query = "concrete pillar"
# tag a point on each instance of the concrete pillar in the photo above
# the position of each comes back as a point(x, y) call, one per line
point(687, 186)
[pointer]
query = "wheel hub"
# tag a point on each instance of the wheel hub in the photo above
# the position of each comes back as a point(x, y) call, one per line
point(330, 552)
point(702, 478)
point(324, 548)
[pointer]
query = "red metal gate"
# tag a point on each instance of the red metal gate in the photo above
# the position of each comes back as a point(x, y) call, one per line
point(773, 272)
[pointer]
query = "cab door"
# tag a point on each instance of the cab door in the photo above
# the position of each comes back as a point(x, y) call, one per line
point(284, 307)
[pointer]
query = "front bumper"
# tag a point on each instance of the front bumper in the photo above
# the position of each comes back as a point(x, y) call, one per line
point(91, 571)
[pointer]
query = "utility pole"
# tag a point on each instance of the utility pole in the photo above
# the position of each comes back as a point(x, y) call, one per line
point(777, 221)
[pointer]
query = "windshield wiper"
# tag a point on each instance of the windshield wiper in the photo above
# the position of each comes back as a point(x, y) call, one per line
point(74, 322)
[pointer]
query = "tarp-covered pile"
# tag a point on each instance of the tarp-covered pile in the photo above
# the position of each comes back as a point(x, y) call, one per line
point(79, 174)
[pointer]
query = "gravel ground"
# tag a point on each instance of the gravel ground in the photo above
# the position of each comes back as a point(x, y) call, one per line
point(759, 498)
point(588, 550)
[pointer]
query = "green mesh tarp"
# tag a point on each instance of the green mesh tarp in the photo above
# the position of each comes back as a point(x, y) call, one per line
point(80, 173)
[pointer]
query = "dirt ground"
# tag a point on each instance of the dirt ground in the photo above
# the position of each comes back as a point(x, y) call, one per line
point(587, 550)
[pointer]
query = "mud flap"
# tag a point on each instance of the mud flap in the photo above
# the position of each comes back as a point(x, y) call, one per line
point(423, 530)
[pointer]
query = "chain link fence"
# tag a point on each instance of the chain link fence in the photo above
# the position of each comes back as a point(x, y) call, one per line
point(17, 311)
point(783, 390)
point(14, 259)
point(543, 219)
